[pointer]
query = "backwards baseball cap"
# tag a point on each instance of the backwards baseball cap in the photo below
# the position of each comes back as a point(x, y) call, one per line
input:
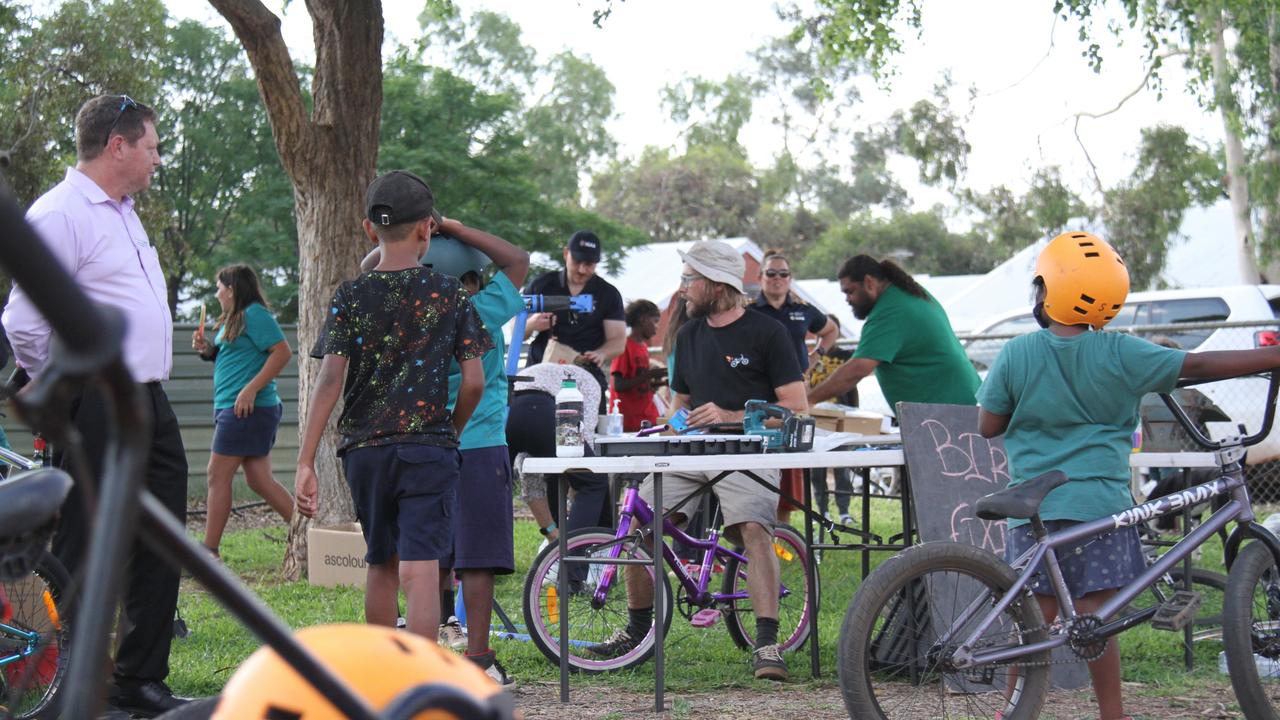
point(398, 197)
point(717, 261)
point(584, 246)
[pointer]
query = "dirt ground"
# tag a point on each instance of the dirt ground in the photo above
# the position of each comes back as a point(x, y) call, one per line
point(807, 702)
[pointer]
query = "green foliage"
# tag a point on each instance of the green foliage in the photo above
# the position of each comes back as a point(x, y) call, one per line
point(919, 240)
point(470, 146)
point(565, 131)
point(51, 64)
point(709, 191)
point(929, 133)
point(856, 30)
point(1143, 213)
point(219, 207)
point(713, 113)
point(1011, 222)
point(561, 105)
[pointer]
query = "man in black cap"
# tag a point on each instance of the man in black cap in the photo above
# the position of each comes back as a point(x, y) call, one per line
point(391, 334)
point(598, 336)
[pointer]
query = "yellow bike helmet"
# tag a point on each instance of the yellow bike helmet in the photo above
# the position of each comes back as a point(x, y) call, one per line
point(1085, 280)
point(380, 663)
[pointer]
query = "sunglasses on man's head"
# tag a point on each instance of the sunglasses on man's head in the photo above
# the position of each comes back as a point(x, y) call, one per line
point(777, 273)
point(126, 102)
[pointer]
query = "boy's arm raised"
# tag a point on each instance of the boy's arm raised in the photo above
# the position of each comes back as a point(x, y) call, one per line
point(513, 261)
point(469, 392)
point(333, 369)
point(1229, 363)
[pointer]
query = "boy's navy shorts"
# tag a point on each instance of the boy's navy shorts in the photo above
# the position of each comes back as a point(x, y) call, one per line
point(482, 521)
point(404, 496)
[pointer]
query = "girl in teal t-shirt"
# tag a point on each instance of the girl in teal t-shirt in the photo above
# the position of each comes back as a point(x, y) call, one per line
point(248, 351)
point(1066, 398)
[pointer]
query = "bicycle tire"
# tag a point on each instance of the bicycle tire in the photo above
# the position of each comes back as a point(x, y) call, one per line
point(40, 602)
point(590, 622)
point(879, 642)
point(793, 608)
point(1251, 631)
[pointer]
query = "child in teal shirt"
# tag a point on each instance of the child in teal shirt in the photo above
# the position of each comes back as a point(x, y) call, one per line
point(1066, 398)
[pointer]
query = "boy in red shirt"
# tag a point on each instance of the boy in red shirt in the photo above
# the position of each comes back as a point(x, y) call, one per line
point(633, 379)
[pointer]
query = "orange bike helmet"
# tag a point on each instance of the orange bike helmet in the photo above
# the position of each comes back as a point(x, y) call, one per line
point(1085, 280)
point(380, 663)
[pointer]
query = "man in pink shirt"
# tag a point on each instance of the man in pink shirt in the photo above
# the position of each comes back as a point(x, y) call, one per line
point(89, 223)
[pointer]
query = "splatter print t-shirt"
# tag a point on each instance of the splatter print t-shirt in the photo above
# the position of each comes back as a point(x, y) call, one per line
point(398, 331)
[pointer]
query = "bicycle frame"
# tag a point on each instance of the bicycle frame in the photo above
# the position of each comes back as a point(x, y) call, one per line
point(88, 341)
point(1237, 508)
point(634, 507)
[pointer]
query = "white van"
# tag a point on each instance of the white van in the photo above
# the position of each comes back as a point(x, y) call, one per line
point(1241, 399)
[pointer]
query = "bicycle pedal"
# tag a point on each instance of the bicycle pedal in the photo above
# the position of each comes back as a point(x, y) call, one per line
point(1178, 611)
point(705, 618)
point(982, 675)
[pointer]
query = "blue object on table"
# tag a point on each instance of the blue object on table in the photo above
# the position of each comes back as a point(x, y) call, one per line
point(537, 304)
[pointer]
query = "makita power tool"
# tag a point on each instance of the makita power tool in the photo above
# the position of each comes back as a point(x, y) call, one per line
point(789, 432)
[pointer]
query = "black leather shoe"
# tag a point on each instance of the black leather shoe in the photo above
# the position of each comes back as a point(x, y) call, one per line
point(145, 700)
point(113, 713)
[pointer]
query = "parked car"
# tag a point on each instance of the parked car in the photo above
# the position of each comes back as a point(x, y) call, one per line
point(1240, 399)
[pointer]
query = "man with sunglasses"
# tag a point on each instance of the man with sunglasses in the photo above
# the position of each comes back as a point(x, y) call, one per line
point(88, 221)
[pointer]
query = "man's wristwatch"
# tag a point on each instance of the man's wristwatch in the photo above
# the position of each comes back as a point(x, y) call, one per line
point(547, 530)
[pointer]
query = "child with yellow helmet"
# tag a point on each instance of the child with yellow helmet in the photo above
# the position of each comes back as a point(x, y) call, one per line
point(1066, 398)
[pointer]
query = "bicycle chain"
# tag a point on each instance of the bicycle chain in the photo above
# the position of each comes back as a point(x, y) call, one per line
point(1020, 662)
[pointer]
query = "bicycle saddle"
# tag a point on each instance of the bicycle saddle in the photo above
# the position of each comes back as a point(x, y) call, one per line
point(1020, 501)
point(30, 499)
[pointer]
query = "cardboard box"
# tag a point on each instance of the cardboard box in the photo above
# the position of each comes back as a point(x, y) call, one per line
point(862, 422)
point(558, 353)
point(335, 555)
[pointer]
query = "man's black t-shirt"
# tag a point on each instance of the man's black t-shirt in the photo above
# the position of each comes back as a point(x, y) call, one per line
point(744, 360)
point(398, 331)
point(580, 331)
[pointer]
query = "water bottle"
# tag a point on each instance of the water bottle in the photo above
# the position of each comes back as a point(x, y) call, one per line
point(568, 420)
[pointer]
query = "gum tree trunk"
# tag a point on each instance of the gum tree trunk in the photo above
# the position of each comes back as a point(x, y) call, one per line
point(1237, 171)
point(330, 155)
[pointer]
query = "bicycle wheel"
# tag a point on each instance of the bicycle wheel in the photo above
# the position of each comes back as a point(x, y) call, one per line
point(1212, 587)
point(35, 640)
point(889, 658)
point(1251, 631)
point(592, 621)
point(793, 596)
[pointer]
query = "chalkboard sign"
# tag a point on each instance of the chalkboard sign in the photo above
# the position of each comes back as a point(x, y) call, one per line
point(950, 465)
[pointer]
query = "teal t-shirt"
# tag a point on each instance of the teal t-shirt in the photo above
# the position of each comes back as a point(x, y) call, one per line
point(920, 358)
point(240, 360)
point(497, 302)
point(1073, 406)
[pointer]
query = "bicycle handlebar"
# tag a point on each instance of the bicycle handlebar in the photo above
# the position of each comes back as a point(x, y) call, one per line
point(1273, 388)
point(87, 348)
point(32, 266)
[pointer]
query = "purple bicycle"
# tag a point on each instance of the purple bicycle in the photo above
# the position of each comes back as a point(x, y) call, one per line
point(597, 606)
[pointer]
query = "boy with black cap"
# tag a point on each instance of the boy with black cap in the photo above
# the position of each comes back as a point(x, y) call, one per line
point(483, 543)
point(598, 336)
point(391, 333)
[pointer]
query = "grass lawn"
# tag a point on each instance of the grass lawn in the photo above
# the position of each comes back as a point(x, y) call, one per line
point(698, 660)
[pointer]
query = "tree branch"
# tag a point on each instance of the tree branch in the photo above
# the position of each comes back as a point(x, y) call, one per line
point(1151, 70)
point(259, 32)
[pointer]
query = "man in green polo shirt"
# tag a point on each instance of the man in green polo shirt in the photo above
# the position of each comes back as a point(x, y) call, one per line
point(907, 340)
